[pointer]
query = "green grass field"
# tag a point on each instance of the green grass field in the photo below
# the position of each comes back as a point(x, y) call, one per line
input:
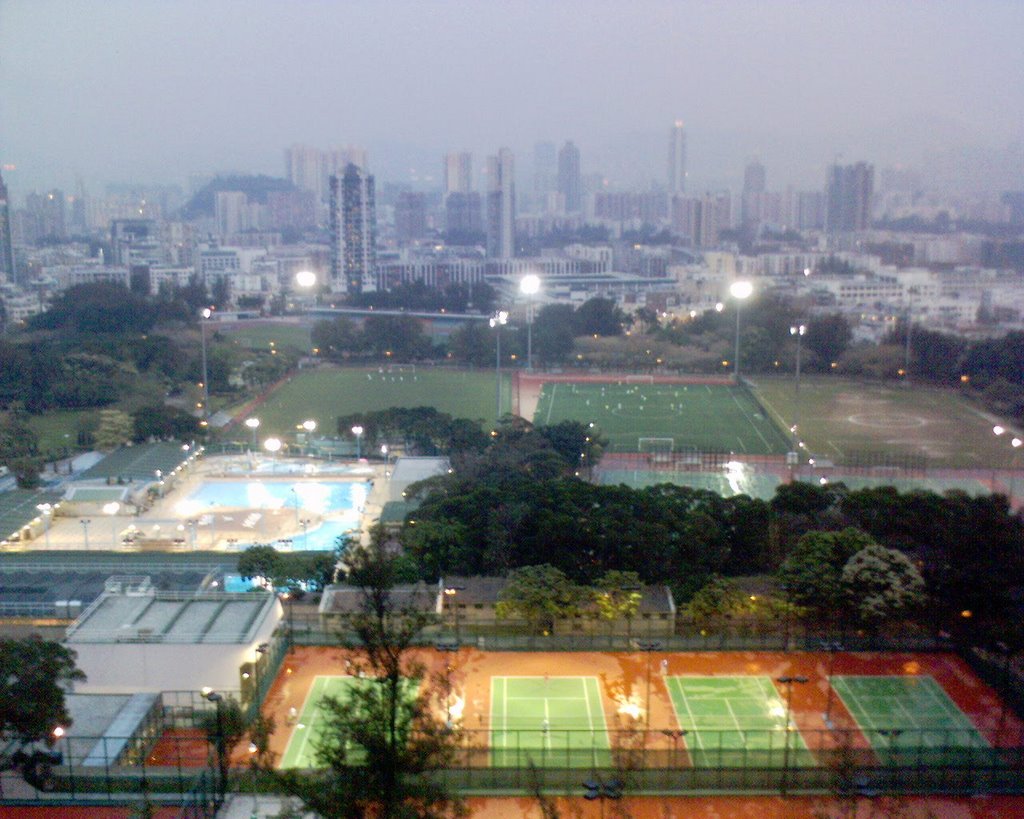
point(910, 720)
point(325, 393)
point(840, 417)
point(260, 336)
point(300, 751)
point(735, 721)
point(557, 722)
point(706, 417)
point(741, 481)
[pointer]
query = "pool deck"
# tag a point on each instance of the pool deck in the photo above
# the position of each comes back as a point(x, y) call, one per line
point(163, 528)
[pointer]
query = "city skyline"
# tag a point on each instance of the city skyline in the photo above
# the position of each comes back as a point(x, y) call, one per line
point(909, 84)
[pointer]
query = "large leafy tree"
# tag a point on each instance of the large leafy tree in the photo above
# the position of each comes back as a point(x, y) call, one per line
point(34, 675)
point(540, 595)
point(384, 740)
point(881, 585)
point(599, 316)
point(812, 575)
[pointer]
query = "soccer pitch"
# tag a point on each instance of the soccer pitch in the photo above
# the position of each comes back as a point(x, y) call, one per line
point(325, 393)
point(553, 721)
point(702, 417)
point(735, 721)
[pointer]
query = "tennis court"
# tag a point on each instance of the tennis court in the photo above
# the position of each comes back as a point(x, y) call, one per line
point(704, 417)
point(553, 721)
point(972, 486)
point(736, 722)
point(300, 752)
point(909, 720)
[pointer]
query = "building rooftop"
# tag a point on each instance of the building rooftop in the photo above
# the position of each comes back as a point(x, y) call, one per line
point(20, 507)
point(140, 462)
point(409, 470)
point(347, 600)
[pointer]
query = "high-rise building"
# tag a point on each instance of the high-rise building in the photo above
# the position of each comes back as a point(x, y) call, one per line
point(230, 212)
point(677, 159)
point(462, 216)
point(353, 228)
point(458, 173)
point(501, 205)
point(410, 216)
point(7, 271)
point(569, 185)
point(848, 193)
point(304, 169)
point(545, 170)
point(45, 214)
point(752, 203)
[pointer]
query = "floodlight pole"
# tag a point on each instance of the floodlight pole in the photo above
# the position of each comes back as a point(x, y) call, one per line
point(788, 682)
point(797, 330)
point(222, 762)
point(648, 648)
point(831, 647)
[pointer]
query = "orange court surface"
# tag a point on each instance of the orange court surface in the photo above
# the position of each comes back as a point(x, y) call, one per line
point(623, 678)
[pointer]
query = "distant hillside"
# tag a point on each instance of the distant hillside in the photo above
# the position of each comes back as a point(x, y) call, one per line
point(255, 187)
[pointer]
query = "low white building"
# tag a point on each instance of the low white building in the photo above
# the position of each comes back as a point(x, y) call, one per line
point(133, 638)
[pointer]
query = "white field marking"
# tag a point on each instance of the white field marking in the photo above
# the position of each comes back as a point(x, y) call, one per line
point(749, 420)
point(693, 719)
point(551, 406)
point(320, 681)
point(586, 699)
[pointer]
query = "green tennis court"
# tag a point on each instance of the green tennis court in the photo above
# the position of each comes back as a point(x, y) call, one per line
point(735, 722)
point(300, 752)
point(937, 485)
point(557, 722)
point(705, 417)
point(724, 483)
point(910, 720)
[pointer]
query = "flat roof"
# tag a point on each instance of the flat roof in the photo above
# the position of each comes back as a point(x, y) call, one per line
point(140, 462)
point(409, 470)
point(150, 616)
point(18, 508)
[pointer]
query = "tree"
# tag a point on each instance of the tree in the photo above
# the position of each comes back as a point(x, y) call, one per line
point(259, 560)
point(812, 576)
point(540, 595)
point(115, 429)
point(618, 596)
point(881, 585)
point(383, 741)
point(397, 337)
point(165, 422)
point(34, 675)
point(552, 333)
point(336, 339)
point(720, 597)
point(599, 316)
point(828, 337)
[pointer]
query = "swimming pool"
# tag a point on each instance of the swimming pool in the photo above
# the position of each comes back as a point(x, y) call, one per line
point(298, 468)
point(319, 497)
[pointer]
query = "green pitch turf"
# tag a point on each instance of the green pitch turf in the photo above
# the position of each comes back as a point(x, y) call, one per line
point(307, 730)
point(910, 720)
point(735, 722)
point(325, 393)
point(706, 417)
point(723, 483)
point(937, 485)
point(557, 722)
point(267, 335)
point(840, 417)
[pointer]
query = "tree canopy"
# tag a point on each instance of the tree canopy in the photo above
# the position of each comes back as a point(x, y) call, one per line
point(34, 676)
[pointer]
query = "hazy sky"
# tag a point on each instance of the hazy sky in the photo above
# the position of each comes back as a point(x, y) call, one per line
point(139, 91)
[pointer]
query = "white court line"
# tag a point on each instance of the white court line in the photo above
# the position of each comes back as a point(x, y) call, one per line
point(551, 406)
point(319, 681)
point(750, 421)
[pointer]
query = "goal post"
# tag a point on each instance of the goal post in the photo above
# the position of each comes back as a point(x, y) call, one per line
point(401, 368)
point(657, 450)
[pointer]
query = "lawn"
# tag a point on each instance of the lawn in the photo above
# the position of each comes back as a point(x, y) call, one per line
point(704, 417)
point(842, 419)
point(259, 336)
point(325, 393)
point(59, 428)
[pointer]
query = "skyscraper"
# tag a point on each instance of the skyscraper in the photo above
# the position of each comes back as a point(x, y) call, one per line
point(677, 159)
point(458, 173)
point(304, 169)
point(545, 171)
point(353, 228)
point(751, 205)
point(501, 205)
point(569, 177)
point(848, 193)
point(6, 238)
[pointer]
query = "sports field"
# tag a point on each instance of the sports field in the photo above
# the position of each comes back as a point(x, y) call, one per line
point(549, 721)
point(727, 482)
point(326, 392)
point(704, 417)
point(266, 335)
point(840, 418)
point(307, 730)
point(909, 720)
point(735, 722)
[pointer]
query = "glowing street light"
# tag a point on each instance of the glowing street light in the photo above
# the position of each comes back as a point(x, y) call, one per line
point(305, 278)
point(739, 290)
point(309, 425)
point(203, 316)
point(1016, 443)
point(111, 509)
point(253, 424)
point(529, 286)
point(799, 331)
point(498, 320)
point(358, 431)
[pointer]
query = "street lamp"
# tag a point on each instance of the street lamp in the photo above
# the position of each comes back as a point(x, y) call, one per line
point(529, 286)
point(47, 511)
point(85, 530)
point(675, 736)
point(111, 509)
point(798, 330)
point(739, 290)
point(222, 762)
point(253, 424)
point(261, 649)
point(831, 647)
point(305, 533)
point(1016, 443)
point(788, 682)
point(358, 431)
point(654, 645)
point(387, 459)
point(450, 592)
point(273, 446)
point(497, 321)
point(449, 648)
point(203, 316)
point(598, 789)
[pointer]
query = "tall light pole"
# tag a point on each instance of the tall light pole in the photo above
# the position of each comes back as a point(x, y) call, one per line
point(1016, 443)
point(497, 321)
point(798, 330)
point(788, 682)
point(85, 530)
point(739, 290)
point(203, 316)
point(272, 445)
point(111, 509)
point(309, 425)
point(222, 761)
point(253, 424)
point(385, 453)
point(46, 509)
point(648, 648)
point(529, 286)
point(358, 431)
point(831, 647)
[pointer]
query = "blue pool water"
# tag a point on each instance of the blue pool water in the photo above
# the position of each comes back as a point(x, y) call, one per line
point(320, 497)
